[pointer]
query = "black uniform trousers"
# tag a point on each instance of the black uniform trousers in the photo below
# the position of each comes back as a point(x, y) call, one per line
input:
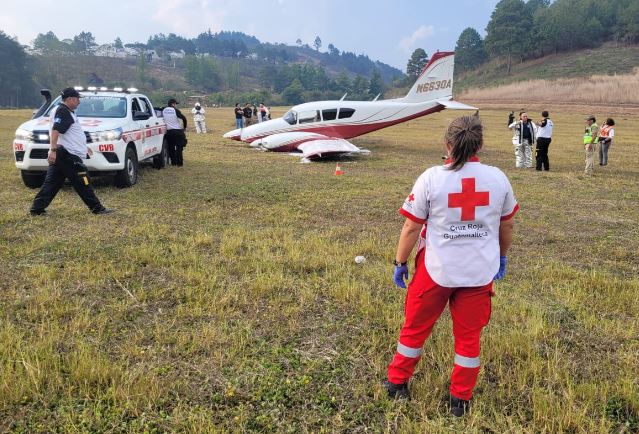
point(176, 140)
point(66, 166)
point(542, 153)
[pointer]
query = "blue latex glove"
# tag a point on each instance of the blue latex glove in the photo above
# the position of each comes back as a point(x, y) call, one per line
point(503, 260)
point(400, 274)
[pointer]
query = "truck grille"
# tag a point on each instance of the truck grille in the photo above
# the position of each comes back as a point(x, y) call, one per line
point(39, 154)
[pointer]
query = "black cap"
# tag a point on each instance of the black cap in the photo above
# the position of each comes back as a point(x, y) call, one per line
point(172, 101)
point(70, 92)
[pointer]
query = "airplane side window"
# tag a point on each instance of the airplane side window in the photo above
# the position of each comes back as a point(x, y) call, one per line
point(345, 113)
point(329, 115)
point(308, 117)
point(290, 117)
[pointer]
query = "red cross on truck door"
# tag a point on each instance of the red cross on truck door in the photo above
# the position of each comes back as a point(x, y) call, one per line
point(468, 199)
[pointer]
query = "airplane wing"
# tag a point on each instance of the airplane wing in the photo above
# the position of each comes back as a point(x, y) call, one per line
point(454, 105)
point(316, 149)
point(313, 146)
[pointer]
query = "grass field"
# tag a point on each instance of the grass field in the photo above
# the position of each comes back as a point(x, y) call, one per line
point(223, 296)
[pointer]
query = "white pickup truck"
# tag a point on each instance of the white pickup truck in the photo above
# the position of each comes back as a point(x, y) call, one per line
point(121, 128)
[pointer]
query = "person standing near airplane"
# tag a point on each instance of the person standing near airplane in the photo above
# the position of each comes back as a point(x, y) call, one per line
point(198, 118)
point(464, 211)
point(544, 137)
point(606, 134)
point(239, 114)
point(175, 137)
point(248, 115)
point(523, 138)
point(591, 135)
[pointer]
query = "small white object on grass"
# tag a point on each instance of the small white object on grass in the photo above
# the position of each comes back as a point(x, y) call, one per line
point(360, 259)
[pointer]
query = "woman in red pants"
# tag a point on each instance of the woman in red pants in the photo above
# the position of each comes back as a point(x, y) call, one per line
point(465, 209)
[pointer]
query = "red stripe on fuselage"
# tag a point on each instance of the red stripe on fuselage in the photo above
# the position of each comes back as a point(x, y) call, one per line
point(350, 130)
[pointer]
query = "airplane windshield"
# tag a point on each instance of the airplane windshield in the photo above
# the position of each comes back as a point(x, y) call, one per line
point(290, 117)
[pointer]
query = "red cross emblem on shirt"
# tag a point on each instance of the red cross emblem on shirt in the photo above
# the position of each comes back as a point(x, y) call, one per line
point(468, 199)
point(411, 197)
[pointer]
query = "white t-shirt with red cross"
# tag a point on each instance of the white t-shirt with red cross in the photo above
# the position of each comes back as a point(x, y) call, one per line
point(462, 210)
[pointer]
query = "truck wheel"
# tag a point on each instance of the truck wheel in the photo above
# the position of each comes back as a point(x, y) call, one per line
point(128, 176)
point(162, 159)
point(33, 179)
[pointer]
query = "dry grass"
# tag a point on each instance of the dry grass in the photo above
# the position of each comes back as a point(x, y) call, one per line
point(617, 92)
point(223, 296)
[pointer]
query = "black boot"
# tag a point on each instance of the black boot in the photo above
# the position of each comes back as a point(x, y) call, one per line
point(396, 391)
point(458, 406)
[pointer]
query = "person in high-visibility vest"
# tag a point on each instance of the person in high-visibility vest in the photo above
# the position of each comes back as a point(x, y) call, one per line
point(606, 134)
point(590, 142)
point(464, 212)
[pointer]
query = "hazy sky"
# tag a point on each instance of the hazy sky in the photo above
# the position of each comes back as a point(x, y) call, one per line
point(385, 30)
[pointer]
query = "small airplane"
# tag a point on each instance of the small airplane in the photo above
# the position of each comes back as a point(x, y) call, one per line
point(320, 129)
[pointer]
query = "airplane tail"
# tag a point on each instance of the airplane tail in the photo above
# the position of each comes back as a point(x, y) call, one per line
point(435, 81)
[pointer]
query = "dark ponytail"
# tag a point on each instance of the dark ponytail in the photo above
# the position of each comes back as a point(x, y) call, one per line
point(465, 138)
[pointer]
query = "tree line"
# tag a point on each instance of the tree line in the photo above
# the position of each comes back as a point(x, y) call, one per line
point(519, 30)
point(17, 88)
point(221, 64)
point(279, 84)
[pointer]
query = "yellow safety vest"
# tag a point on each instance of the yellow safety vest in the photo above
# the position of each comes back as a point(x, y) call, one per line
point(588, 136)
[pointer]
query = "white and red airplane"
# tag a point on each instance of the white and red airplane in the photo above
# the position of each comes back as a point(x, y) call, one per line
point(320, 129)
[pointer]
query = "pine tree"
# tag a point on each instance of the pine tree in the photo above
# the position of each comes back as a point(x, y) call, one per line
point(416, 64)
point(376, 85)
point(509, 29)
point(469, 51)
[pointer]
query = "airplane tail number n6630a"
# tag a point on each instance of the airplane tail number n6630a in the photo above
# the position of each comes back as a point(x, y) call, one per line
point(321, 129)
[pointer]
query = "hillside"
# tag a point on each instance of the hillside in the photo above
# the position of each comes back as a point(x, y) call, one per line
point(605, 60)
point(607, 76)
point(221, 79)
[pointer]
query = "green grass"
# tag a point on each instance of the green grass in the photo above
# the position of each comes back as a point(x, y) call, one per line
point(223, 296)
point(606, 60)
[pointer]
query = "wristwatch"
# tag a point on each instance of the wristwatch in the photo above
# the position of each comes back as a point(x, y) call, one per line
point(53, 149)
point(399, 264)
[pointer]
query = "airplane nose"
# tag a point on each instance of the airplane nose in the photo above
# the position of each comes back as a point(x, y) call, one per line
point(233, 134)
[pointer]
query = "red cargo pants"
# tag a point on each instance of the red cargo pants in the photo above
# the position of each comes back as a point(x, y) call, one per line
point(425, 301)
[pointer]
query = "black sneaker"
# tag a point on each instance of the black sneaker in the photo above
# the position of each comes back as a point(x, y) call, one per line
point(104, 211)
point(396, 391)
point(36, 212)
point(458, 406)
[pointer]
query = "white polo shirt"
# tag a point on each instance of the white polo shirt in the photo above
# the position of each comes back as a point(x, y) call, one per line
point(170, 118)
point(546, 130)
point(72, 136)
point(463, 210)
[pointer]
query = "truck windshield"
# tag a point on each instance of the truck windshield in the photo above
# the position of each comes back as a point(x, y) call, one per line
point(97, 106)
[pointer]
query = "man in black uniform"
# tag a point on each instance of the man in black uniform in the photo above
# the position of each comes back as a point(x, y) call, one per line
point(544, 137)
point(68, 147)
point(175, 137)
